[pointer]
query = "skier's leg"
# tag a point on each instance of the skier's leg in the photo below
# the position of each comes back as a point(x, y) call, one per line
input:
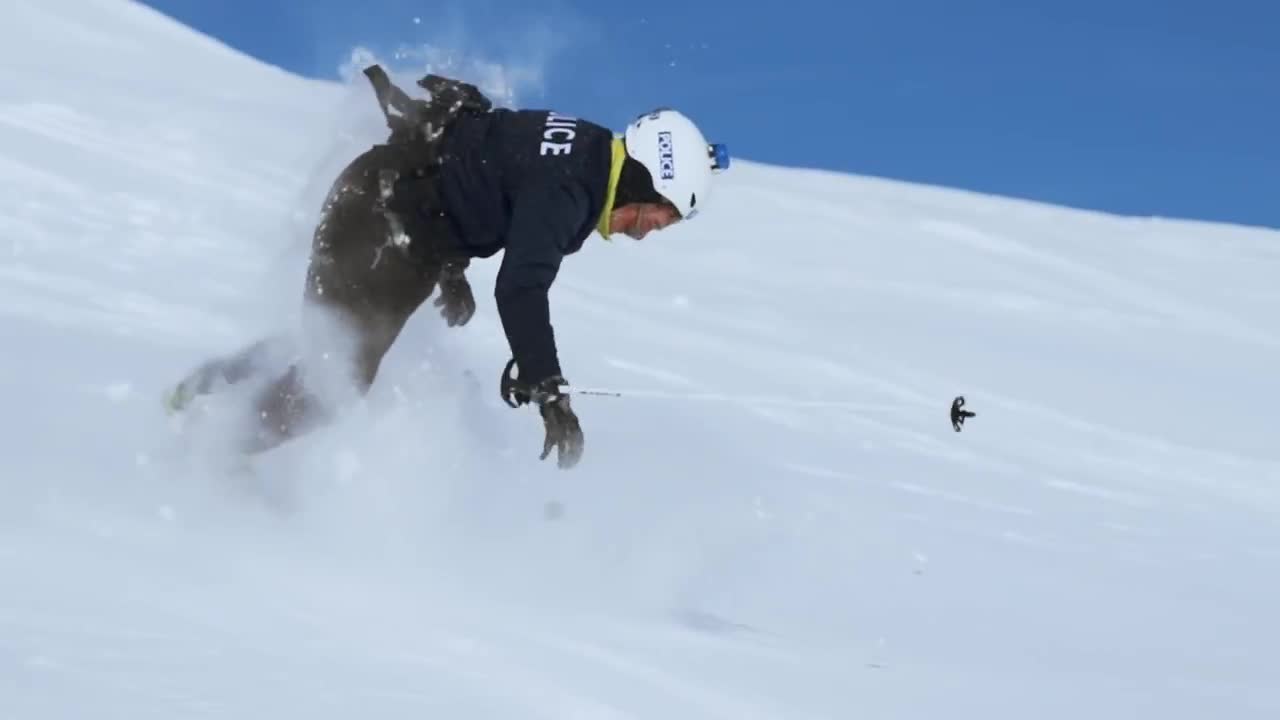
point(360, 291)
point(250, 362)
point(343, 353)
point(348, 352)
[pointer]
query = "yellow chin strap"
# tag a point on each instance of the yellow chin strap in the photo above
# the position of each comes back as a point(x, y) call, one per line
point(615, 170)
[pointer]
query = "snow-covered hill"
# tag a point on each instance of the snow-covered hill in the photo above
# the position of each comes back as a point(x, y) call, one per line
point(777, 521)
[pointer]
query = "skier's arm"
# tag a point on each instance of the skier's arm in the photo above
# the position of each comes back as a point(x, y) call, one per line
point(543, 223)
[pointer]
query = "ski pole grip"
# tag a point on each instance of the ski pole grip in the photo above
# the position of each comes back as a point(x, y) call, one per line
point(507, 386)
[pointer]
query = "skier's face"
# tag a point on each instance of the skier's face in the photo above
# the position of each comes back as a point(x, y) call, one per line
point(639, 219)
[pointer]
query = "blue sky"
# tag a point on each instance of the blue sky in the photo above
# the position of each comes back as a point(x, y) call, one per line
point(1147, 107)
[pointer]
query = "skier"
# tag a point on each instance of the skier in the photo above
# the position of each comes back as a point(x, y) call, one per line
point(458, 180)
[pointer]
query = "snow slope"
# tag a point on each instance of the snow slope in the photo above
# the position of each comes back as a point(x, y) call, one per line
point(777, 522)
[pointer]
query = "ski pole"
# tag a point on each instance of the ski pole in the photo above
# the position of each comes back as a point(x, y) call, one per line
point(508, 386)
point(735, 398)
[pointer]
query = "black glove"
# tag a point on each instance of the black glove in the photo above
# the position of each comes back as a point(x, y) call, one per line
point(564, 432)
point(456, 302)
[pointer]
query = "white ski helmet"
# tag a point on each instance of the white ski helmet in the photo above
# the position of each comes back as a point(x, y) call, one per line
point(677, 156)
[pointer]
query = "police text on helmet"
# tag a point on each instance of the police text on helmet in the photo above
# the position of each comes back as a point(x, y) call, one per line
point(666, 155)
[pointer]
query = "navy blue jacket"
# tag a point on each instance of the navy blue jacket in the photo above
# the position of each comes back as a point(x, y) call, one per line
point(533, 184)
